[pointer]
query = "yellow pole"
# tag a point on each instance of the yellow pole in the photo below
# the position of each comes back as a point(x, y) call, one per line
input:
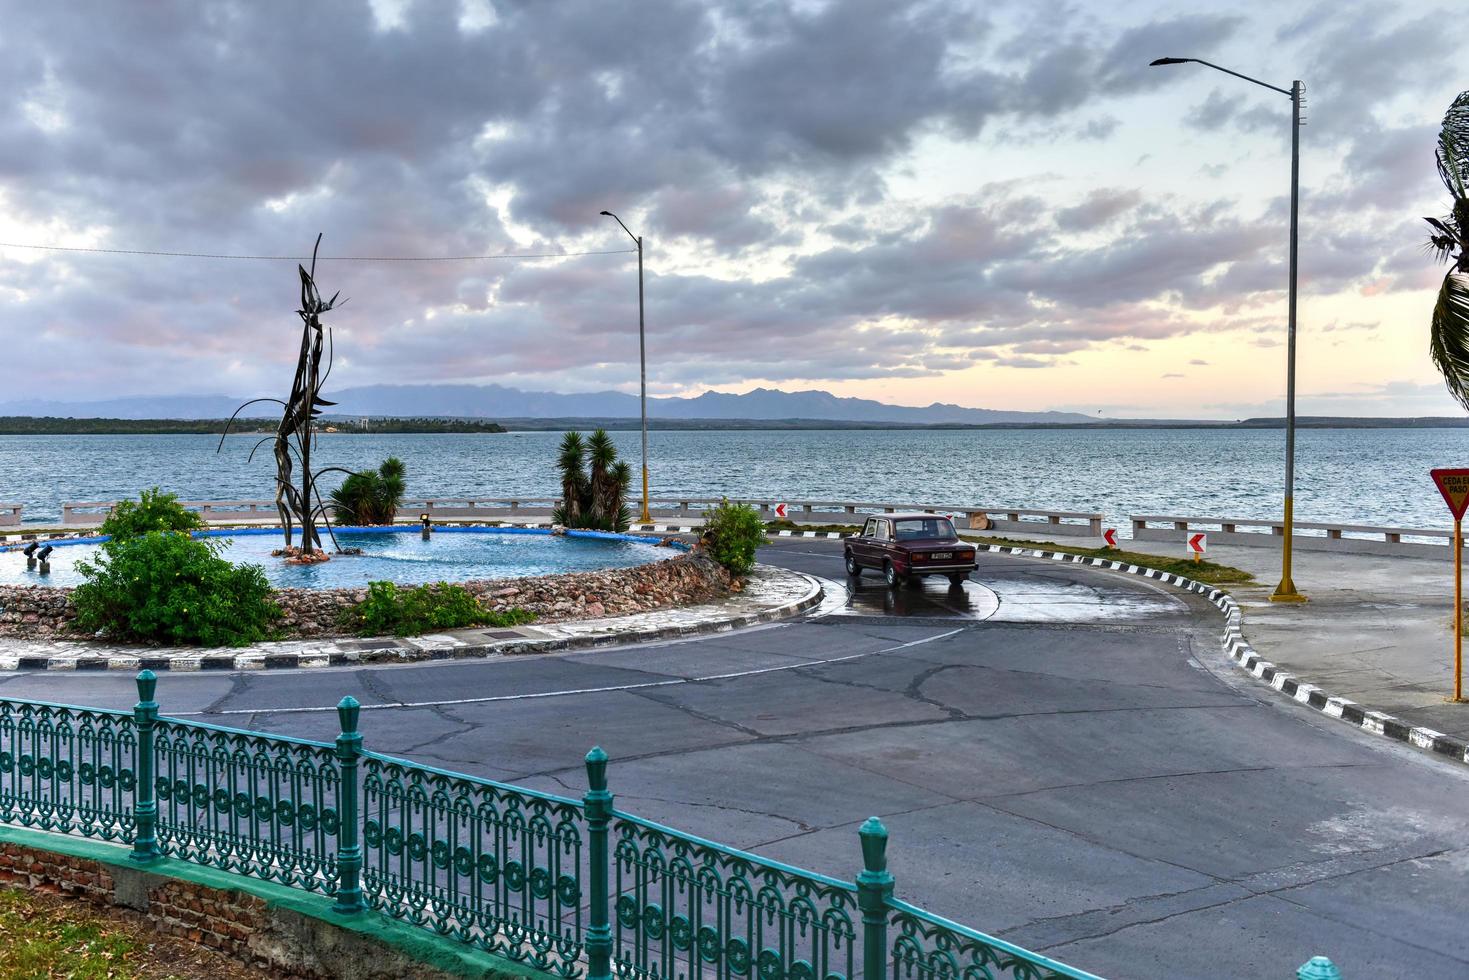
point(1458, 610)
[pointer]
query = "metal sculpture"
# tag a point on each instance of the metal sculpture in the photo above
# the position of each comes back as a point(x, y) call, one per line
point(295, 436)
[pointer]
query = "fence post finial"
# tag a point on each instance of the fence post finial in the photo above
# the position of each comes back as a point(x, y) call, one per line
point(145, 803)
point(598, 807)
point(874, 887)
point(1318, 968)
point(349, 848)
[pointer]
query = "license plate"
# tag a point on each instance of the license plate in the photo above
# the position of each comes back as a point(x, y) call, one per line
point(941, 554)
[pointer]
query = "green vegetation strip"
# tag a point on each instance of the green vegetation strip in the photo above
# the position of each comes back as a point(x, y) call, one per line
point(1200, 571)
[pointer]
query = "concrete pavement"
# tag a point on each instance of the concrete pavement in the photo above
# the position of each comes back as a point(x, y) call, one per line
point(1063, 756)
point(1377, 630)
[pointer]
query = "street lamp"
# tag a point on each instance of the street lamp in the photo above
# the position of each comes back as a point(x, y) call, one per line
point(645, 518)
point(1286, 590)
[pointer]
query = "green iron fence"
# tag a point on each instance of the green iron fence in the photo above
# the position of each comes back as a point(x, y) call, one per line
point(574, 888)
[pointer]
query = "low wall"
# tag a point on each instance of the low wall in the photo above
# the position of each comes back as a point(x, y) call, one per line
point(32, 611)
point(270, 927)
point(1358, 539)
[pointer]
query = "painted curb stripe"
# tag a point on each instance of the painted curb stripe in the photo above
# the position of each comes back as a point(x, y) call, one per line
point(1238, 648)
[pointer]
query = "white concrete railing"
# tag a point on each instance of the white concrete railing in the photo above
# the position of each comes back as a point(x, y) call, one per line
point(1362, 539)
point(1074, 523)
point(10, 514)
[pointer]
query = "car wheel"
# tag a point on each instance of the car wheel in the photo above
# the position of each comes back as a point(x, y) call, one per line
point(957, 579)
point(890, 575)
point(853, 569)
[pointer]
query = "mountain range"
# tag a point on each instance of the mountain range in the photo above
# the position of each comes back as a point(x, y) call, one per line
point(497, 401)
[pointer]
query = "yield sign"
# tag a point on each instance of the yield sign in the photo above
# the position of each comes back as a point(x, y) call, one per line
point(780, 511)
point(1110, 536)
point(1197, 543)
point(1454, 485)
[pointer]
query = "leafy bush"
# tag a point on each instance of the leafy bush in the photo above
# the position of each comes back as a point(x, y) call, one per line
point(370, 497)
point(425, 608)
point(595, 499)
point(732, 533)
point(154, 510)
point(170, 588)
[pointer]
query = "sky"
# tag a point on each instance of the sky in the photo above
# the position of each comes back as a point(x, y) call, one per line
point(995, 204)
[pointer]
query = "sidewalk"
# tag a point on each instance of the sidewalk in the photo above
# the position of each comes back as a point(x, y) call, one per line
point(1378, 630)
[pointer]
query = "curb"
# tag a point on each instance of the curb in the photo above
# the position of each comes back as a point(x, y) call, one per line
point(411, 652)
point(1238, 649)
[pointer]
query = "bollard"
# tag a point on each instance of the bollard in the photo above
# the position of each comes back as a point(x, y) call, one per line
point(349, 849)
point(874, 887)
point(145, 803)
point(598, 804)
point(1318, 968)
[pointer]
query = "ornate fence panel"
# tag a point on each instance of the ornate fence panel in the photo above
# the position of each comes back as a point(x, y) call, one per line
point(926, 947)
point(687, 908)
point(260, 805)
point(65, 769)
point(485, 863)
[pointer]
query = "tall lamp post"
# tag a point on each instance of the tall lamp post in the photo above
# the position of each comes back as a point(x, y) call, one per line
point(1286, 590)
point(645, 517)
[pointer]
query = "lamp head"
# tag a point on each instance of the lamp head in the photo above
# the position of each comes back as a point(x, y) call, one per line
point(608, 214)
point(1169, 61)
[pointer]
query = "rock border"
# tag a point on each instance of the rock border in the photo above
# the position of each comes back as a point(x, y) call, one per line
point(802, 592)
point(1237, 647)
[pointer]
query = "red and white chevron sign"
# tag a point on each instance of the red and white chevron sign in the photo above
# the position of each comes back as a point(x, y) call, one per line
point(1198, 543)
point(1110, 536)
point(780, 511)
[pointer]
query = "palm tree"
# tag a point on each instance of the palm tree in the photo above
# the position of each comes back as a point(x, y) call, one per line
point(573, 481)
point(1449, 336)
point(370, 497)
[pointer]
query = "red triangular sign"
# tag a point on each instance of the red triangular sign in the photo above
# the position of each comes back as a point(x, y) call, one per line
point(1454, 485)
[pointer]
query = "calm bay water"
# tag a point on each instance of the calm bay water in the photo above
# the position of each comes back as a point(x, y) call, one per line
point(1375, 476)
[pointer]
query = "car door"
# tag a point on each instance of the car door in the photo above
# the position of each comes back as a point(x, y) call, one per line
point(862, 545)
point(882, 541)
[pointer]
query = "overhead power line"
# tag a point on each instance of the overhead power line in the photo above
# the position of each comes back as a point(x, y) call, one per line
point(320, 258)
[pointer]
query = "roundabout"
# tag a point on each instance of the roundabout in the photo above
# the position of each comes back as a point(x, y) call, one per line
point(1063, 757)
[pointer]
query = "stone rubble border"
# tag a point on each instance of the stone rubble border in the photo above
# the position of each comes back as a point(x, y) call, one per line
point(1235, 645)
point(397, 650)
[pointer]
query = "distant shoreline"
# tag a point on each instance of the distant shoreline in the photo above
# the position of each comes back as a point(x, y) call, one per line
point(389, 425)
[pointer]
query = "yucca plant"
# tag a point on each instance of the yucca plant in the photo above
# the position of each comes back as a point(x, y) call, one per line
point(1449, 334)
point(371, 497)
point(595, 498)
point(570, 461)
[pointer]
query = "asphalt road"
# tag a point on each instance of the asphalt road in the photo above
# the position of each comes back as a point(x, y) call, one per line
point(1062, 756)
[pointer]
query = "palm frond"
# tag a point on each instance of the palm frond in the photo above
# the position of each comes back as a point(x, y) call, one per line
point(1449, 335)
point(1452, 153)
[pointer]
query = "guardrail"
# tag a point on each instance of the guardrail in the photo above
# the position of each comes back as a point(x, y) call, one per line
point(570, 887)
point(574, 888)
point(1362, 539)
point(1078, 523)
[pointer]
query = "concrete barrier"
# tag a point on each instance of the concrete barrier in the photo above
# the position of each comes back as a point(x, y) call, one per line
point(1362, 539)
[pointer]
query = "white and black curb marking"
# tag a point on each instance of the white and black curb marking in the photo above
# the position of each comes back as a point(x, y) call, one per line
point(404, 650)
point(812, 534)
point(1239, 650)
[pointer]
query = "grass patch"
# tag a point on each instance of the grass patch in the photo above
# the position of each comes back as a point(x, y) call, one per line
point(413, 611)
point(1208, 572)
point(49, 936)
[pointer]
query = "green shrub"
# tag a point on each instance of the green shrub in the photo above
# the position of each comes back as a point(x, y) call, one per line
point(170, 588)
point(424, 609)
point(154, 510)
point(370, 497)
point(732, 533)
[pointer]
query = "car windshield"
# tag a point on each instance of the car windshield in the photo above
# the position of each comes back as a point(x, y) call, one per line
point(926, 527)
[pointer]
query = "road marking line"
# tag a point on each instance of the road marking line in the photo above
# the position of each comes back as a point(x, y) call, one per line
point(673, 682)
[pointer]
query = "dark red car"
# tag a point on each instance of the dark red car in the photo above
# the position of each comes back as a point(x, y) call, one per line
point(910, 546)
